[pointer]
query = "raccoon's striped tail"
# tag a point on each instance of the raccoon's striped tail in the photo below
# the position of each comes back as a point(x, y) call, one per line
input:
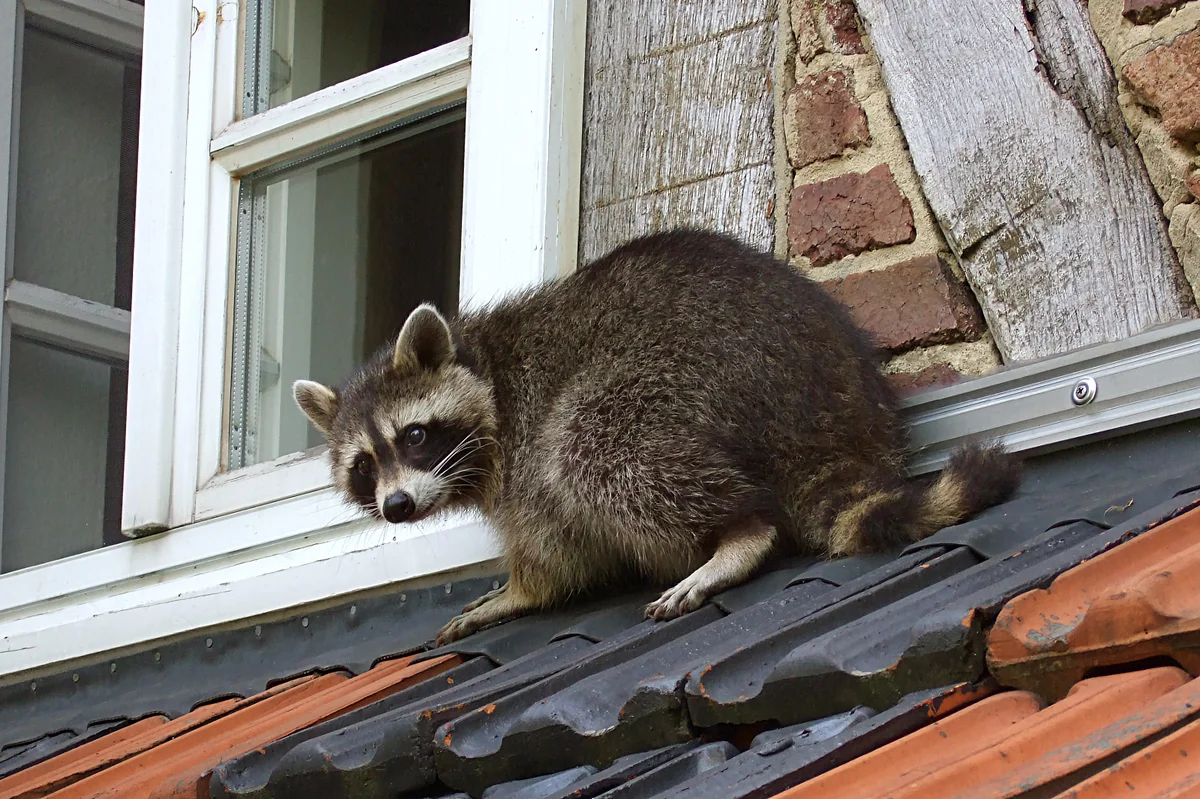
point(977, 477)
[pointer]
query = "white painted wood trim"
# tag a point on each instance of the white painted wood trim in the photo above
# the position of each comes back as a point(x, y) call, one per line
point(47, 625)
point(200, 457)
point(424, 81)
point(288, 476)
point(157, 252)
point(522, 162)
point(110, 24)
point(11, 27)
point(206, 205)
point(62, 320)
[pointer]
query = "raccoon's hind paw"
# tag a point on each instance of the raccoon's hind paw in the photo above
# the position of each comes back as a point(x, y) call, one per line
point(738, 554)
point(674, 602)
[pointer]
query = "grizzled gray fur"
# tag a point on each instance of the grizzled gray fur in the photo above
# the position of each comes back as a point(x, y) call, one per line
point(678, 413)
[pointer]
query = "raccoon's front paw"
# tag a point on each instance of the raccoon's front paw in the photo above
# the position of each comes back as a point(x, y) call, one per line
point(457, 628)
point(492, 608)
point(488, 597)
point(683, 598)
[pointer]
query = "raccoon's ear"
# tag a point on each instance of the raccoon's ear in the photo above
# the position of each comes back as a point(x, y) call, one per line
point(319, 403)
point(424, 342)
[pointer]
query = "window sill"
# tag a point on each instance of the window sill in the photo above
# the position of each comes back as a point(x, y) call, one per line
point(298, 551)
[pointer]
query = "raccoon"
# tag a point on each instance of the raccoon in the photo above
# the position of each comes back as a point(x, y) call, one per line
point(676, 413)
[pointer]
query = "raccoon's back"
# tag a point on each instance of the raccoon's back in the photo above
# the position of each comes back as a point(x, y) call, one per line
point(730, 329)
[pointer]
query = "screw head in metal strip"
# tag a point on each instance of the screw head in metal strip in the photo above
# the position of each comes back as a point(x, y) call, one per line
point(1084, 391)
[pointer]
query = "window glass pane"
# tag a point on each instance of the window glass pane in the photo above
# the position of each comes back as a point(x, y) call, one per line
point(333, 254)
point(60, 465)
point(312, 44)
point(76, 111)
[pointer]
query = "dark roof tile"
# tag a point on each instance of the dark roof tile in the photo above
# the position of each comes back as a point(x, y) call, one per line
point(247, 776)
point(772, 766)
point(392, 752)
point(777, 682)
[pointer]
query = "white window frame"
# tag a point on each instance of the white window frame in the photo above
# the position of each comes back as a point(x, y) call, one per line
point(231, 556)
point(210, 548)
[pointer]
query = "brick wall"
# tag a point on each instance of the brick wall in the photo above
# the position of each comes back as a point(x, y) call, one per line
point(1154, 48)
point(852, 212)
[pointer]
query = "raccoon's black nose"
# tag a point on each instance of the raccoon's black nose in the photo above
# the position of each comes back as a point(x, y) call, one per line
point(398, 507)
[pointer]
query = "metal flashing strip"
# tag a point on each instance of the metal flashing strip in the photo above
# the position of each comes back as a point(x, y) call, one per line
point(173, 678)
point(1148, 379)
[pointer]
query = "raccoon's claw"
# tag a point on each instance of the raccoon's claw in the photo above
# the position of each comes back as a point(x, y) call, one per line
point(488, 597)
point(457, 628)
point(494, 607)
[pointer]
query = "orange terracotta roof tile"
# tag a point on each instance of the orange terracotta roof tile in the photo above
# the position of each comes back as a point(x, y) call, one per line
point(1164, 769)
point(179, 765)
point(1133, 602)
point(1006, 747)
point(45, 777)
point(937, 746)
point(75, 764)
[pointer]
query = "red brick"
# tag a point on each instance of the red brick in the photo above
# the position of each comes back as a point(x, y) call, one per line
point(844, 25)
point(937, 376)
point(912, 304)
point(1142, 12)
point(848, 214)
point(823, 119)
point(1168, 79)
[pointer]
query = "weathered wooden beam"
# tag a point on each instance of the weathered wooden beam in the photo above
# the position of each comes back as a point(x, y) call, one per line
point(1011, 116)
point(677, 120)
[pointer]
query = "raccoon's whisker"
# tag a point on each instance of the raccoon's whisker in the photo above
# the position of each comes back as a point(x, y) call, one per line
point(469, 439)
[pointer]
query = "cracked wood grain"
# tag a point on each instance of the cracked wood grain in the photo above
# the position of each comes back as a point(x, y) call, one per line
point(677, 120)
point(1010, 112)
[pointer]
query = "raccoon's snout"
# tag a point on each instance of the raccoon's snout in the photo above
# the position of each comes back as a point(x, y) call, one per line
point(399, 507)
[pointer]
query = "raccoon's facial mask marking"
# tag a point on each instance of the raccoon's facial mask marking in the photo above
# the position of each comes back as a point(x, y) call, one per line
point(430, 465)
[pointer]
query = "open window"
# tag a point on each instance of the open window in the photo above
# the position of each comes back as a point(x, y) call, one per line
point(309, 172)
point(68, 266)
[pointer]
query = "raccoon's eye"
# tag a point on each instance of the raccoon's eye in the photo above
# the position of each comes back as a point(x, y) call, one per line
point(364, 465)
point(415, 436)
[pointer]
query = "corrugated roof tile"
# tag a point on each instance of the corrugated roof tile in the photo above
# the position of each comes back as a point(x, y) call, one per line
point(173, 678)
point(247, 776)
point(943, 743)
point(785, 758)
point(599, 715)
point(593, 700)
point(1165, 769)
point(55, 773)
point(1125, 605)
point(171, 761)
point(1127, 734)
point(391, 753)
